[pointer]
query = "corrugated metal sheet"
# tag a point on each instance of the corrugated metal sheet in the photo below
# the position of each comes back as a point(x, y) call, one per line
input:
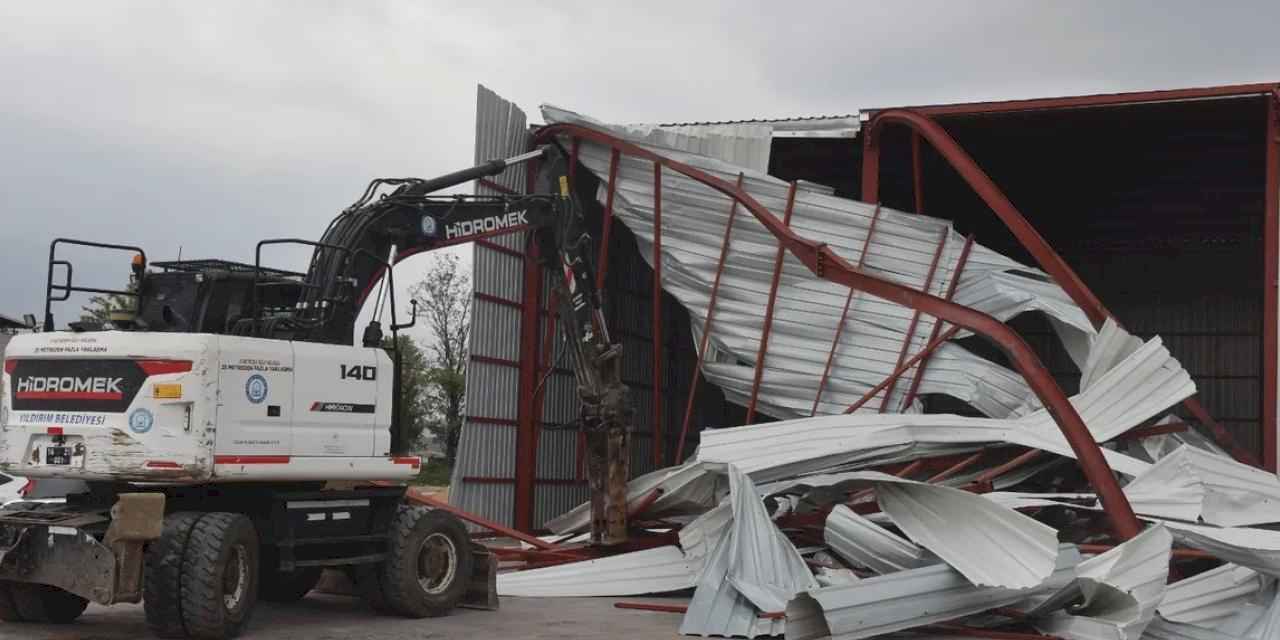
point(745, 144)
point(789, 448)
point(1192, 484)
point(1210, 598)
point(1258, 549)
point(907, 599)
point(1122, 588)
point(689, 489)
point(1165, 630)
point(838, 126)
point(656, 570)
point(487, 449)
point(754, 569)
point(989, 544)
point(807, 310)
point(867, 544)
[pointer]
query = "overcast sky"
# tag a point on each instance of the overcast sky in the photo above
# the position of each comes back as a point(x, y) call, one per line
point(210, 125)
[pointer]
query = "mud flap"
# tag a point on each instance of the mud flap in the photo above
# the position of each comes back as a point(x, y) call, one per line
point(482, 592)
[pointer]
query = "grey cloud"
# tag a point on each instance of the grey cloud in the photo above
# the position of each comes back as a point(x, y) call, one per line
point(212, 125)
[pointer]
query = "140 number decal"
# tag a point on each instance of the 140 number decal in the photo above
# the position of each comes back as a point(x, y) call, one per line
point(358, 372)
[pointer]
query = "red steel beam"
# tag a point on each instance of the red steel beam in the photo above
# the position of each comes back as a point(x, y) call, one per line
point(649, 606)
point(844, 314)
point(656, 334)
point(937, 325)
point(915, 318)
point(639, 506)
point(606, 225)
point(526, 416)
point(1178, 552)
point(825, 263)
point(546, 367)
point(573, 158)
point(928, 348)
point(1035, 244)
point(1018, 462)
point(977, 179)
point(956, 468)
point(415, 494)
point(1271, 267)
point(706, 327)
point(768, 310)
point(1096, 100)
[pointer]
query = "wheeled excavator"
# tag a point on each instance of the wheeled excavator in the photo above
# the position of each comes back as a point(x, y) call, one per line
point(237, 439)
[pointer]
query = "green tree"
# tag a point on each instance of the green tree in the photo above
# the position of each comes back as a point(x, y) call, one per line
point(100, 308)
point(414, 381)
point(444, 304)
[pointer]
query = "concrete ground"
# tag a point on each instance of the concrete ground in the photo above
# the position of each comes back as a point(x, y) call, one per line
point(328, 617)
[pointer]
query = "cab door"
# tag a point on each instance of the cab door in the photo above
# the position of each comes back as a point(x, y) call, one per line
point(335, 398)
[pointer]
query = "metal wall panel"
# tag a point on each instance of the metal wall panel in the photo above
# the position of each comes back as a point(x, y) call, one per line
point(487, 450)
point(493, 336)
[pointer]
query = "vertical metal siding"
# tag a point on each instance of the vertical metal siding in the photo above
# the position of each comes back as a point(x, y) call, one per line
point(485, 449)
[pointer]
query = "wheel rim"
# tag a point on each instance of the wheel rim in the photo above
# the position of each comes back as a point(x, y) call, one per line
point(235, 579)
point(437, 563)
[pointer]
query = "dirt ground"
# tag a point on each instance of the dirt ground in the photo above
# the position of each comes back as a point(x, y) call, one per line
point(327, 617)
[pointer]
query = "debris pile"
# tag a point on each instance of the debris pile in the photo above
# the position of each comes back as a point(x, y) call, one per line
point(859, 525)
point(785, 528)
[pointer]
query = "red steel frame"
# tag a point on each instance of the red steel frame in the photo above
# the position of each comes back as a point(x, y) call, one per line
point(1045, 256)
point(527, 417)
point(915, 317)
point(814, 256)
point(937, 326)
point(844, 314)
point(826, 264)
point(768, 310)
point(706, 326)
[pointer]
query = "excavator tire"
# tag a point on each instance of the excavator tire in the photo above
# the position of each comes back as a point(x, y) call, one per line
point(219, 580)
point(162, 583)
point(428, 567)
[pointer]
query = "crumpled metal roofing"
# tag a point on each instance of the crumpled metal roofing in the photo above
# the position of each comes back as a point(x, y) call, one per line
point(867, 544)
point(1161, 629)
point(1252, 547)
point(754, 569)
point(690, 488)
point(808, 309)
point(1258, 549)
point(1212, 597)
point(700, 536)
point(654, 570)
point(1121, 587)
point(1193, 484)
point(907, 599)
point(1140, 387)
point(987, 543)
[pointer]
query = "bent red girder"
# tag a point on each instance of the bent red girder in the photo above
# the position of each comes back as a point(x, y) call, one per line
point(819, 259)
point(1048, 259)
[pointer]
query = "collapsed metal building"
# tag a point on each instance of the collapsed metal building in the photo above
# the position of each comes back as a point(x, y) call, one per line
point(1164, 203)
